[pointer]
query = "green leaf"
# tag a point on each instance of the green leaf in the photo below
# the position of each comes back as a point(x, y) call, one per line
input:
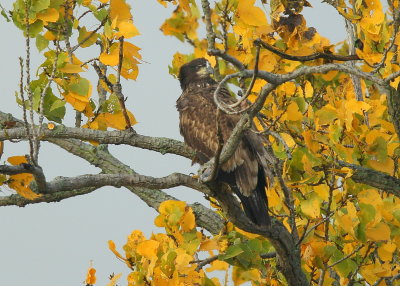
point(360, 232)
point(35, 28)
point(41, 42)
point(208, 282)
point(83, 34)
point(81, 88)
point(4, 13)
point(57, 104)
point(101, 14)
point(39, 5)
point(367, 213)
point(232, 251)
point(3, 179)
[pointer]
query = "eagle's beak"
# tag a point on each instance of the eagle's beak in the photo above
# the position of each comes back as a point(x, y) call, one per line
point(209, 68)
point(206, 71)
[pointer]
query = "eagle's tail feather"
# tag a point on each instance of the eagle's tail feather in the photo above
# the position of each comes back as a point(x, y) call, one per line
point(255, 206)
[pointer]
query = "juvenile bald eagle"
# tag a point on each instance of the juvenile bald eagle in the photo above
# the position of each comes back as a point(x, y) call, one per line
point(246, 171)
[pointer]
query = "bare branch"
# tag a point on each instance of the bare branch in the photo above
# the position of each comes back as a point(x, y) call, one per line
point(159, 144)
point(25, 124)
point(102, 76)
point(204, 262)
point(28, 82)
point(345, 257)
point(311, 57)
point(73, 49)
point(62, 184)
point(41, 104)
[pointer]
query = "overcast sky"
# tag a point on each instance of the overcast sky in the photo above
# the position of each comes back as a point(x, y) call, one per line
point(52, 244)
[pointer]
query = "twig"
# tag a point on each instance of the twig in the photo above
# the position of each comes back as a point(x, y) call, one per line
point(268, 255)
point(41, 104)
point(278, 137)
point(73, 49)
point(28, 82)
point(253, 80)
point(223, 106)
point(209, 28)
point(22, 94)
point(392, 41)
point(202, 263)
point(117, 88)
point(102, 76)
point(306, 58)
point(288, 201)
point(89, 61)
point(345, 257)
point(234, 61)
point(306, 233)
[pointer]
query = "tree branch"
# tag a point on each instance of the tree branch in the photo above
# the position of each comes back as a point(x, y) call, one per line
point(311, 57)
point(62, 184)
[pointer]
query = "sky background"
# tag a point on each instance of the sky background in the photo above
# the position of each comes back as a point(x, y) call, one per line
point(53, 244)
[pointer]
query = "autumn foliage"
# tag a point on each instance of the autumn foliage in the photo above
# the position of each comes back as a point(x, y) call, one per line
point(326, 122)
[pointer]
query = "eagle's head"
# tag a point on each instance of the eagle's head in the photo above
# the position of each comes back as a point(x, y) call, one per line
point(195, 71)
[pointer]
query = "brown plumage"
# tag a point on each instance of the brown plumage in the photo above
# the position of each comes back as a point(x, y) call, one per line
point(247, 170)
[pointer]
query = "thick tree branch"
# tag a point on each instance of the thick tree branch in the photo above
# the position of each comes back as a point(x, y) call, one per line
point(101, 158)
point(62, 184)
point(374, 178)
point(159, 144)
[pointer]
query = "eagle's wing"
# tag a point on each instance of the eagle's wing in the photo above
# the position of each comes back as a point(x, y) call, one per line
point(198, 126)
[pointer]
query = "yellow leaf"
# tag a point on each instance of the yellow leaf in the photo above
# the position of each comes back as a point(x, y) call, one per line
point(79, 102)
point(218, 265)
point(113, 280)
point(20, 183)
point(111, 246)
point(49, 15)
point(127, 30)
point(249, 14)
point(91, 276)
point(49, 36)
point(381, 231)
point(117, 120)
point(308, 89)
point(209, 244)
point(347, 223)
point(148, 248)
point(293, 113)
point(385, 251)
point(71, 68)
point(188, 221)
point(182, 260)
point(240, 275)
point(111, 59)
point(50, 126)
point(120, 11)
point(322, 191)
point(311, 207)
point(17, 160)
point(386, 166)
